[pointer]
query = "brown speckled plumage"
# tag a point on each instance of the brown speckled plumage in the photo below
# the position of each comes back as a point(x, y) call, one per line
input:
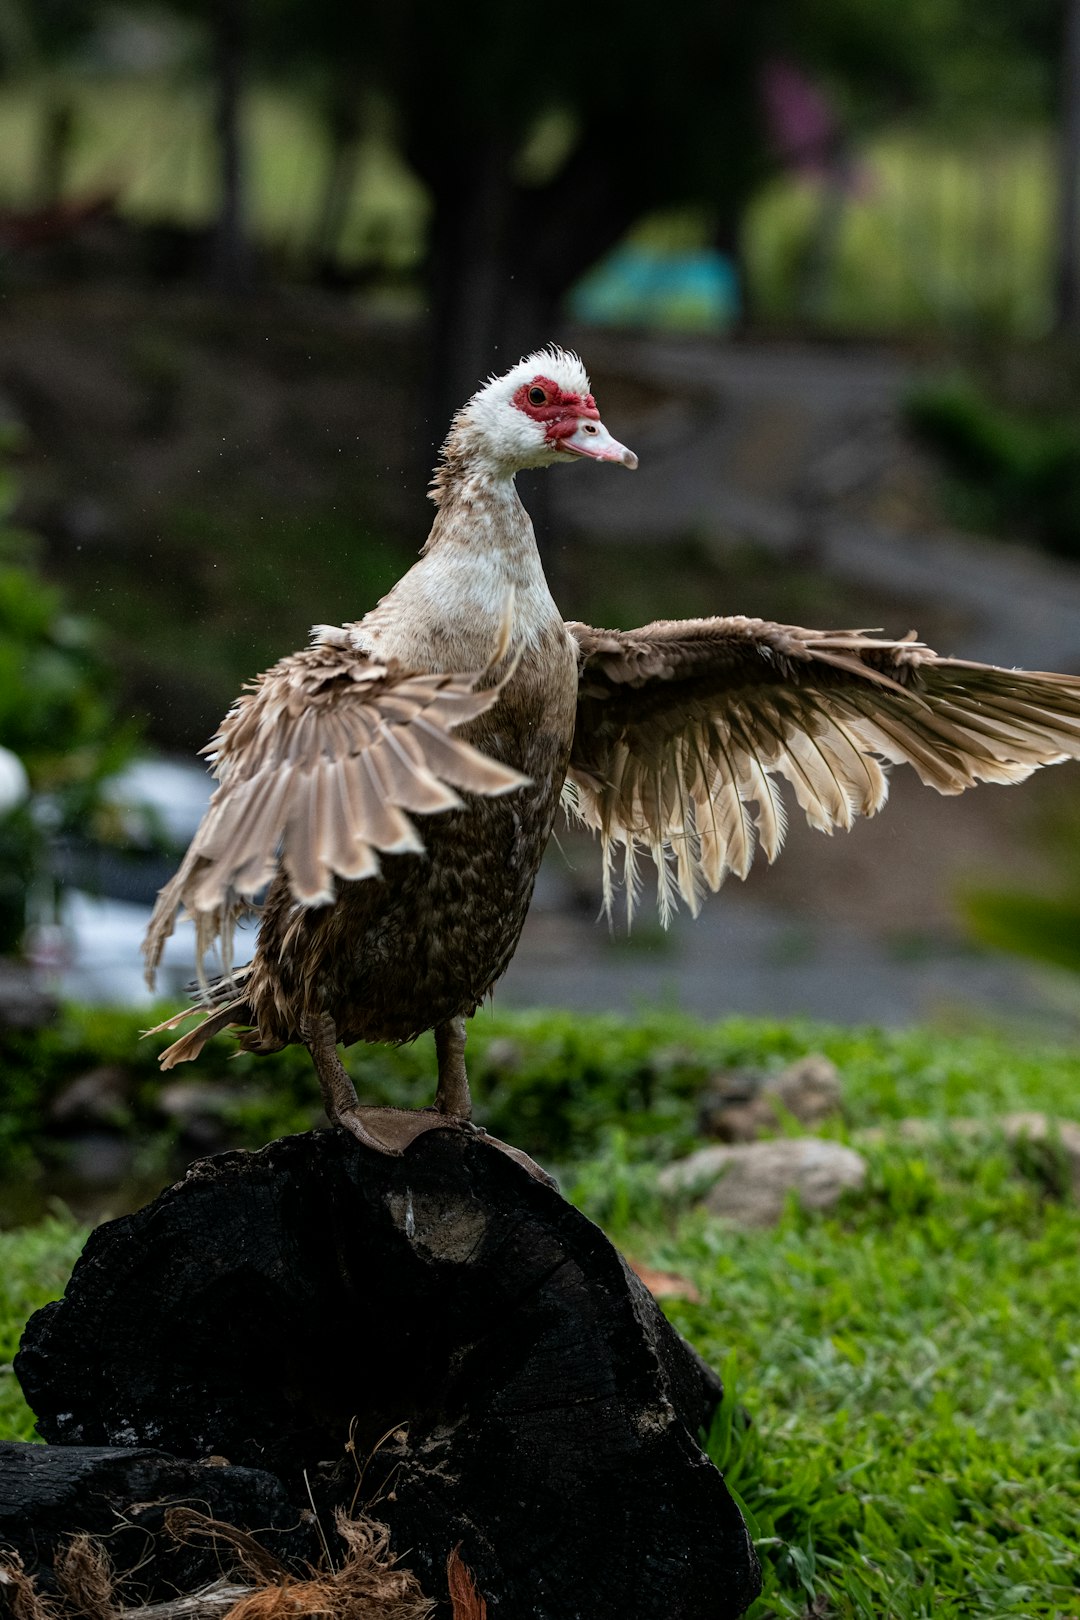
point(425, 940)
point(393, 786)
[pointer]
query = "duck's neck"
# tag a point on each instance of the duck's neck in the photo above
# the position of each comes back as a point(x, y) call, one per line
point(480, 558)
point(480, 512)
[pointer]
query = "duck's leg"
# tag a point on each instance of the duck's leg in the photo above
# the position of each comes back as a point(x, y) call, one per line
point(387, 1130)
point(452, 1093)
point(452, 1097)
point(390, 1130)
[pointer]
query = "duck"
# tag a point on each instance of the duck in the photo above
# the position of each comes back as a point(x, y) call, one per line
point(385, 795)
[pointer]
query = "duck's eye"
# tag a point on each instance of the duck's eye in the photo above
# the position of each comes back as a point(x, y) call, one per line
point(537, 396)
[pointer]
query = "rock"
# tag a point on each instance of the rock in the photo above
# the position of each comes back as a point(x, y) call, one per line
point(99, 1158)
point(744, 1103)
point(1041, 1130)
point(182, 1100)
point(503, 1056)
point(443, 1321)
point(200, 1111)
point(23, 1005)
point(47, 1493)
point(1045, 1131)
point(809, 1088)
point(750, 1182)
point(97, 1097)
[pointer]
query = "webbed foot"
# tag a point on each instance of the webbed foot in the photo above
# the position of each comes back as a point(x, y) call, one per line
point(392, 1130)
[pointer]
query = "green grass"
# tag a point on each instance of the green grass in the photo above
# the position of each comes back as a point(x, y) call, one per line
point(911, 1364)
point(912, 1372)
point(34, 1266)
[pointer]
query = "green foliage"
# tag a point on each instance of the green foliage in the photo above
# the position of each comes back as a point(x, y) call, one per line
point(1042, 927)
point(557, 1083)
point(959, 61)
point(56, 714)
point(1012, 474)
point(34, 1266)
point(563, 137)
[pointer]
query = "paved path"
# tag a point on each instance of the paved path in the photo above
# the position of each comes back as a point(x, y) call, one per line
point(768, 447)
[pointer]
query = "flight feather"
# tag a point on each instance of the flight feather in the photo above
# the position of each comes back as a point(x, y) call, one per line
point(322, 763)
point(683, 729)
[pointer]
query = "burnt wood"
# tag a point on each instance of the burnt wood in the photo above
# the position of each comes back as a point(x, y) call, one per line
point(506, 1381)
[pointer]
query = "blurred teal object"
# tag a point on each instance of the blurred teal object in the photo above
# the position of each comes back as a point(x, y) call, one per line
point(636, 285)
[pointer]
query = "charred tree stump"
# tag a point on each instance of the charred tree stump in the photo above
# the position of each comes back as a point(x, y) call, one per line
point(442, 1323)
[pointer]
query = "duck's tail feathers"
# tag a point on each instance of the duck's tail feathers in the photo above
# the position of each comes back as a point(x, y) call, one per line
point(235, 1013)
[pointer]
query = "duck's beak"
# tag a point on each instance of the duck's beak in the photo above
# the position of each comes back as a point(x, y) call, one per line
point(591, 438)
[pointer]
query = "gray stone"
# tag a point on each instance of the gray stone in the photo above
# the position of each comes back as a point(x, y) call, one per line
point(743, 1104)
point(1026, 1125)
point(99, 1159)
point(23, 1004)
point(809, 1088)
point(184, 1100)
point(97, 1097)
point(750, 1182)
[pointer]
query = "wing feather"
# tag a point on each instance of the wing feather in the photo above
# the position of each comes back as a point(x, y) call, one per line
point(321, 764)
point(685, 731)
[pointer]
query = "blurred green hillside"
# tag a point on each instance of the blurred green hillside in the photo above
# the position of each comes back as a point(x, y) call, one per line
point(941, 232)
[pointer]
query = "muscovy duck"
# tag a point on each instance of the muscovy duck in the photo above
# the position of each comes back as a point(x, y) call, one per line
point(464, 699)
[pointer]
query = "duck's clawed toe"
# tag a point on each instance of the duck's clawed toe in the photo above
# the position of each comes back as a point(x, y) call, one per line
point(519, 1157)
point(391, 1130)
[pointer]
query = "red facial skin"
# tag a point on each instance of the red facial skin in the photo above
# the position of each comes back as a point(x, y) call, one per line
point(562, 413)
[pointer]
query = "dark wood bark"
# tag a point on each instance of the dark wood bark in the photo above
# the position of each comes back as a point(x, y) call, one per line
point(506, 1382)
point(121, 1496)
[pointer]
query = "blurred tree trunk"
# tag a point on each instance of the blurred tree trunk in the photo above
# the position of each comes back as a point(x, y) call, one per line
point(343, 120)
point(504, 256)
point(469, 279)
point(230, 259)
point(728, 239)
point(57, 139)
point(1067, 310)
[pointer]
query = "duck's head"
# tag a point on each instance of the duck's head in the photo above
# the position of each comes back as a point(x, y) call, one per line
point(541, 412)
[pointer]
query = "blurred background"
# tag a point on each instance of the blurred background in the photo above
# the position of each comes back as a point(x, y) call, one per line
point(822, 258)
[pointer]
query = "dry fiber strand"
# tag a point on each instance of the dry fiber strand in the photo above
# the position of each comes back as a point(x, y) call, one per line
point(368, 1585)
point(84, 1581)
point(466, 1602)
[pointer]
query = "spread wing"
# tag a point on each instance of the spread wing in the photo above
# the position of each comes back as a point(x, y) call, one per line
point(321, 764)
point(684, 728)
